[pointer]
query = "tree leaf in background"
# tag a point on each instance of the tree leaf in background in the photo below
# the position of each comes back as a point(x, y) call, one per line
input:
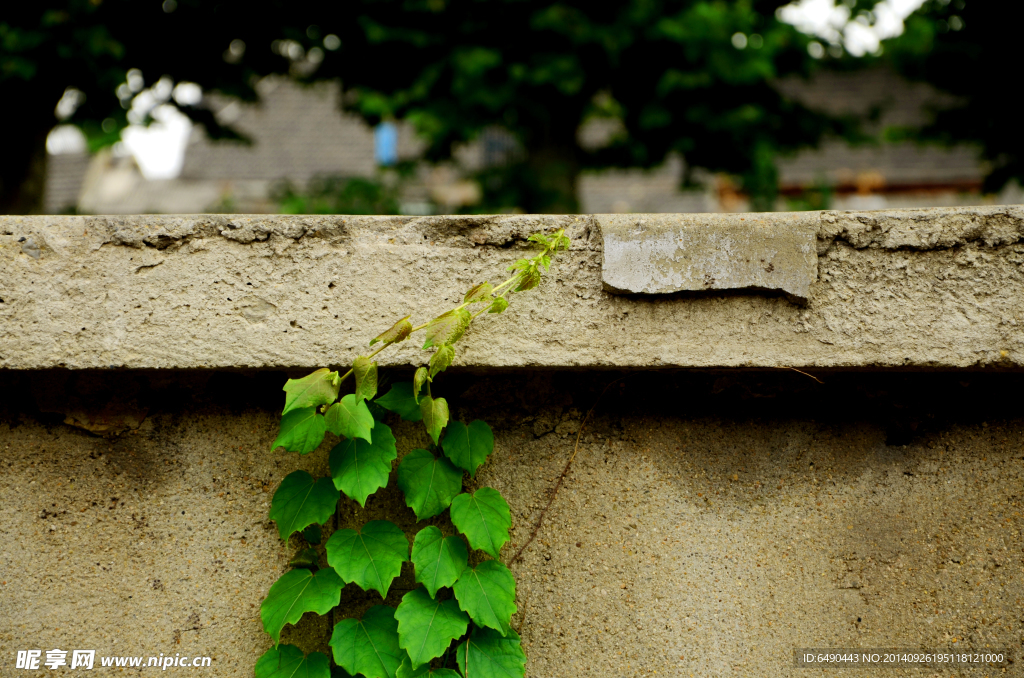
point(401, 401)
point(487, 593)
point(288, 661)
point(318, 388)
point(429, 483)
point(350, 418)
point(360, 468)
point(301, 431)
point(468, 446)
point(438, 560)
point(301, 500)
point(371, 557)
point(298, 592)
point(366, 378)
point(426, 627)
point(484, 518)
point(368, 646)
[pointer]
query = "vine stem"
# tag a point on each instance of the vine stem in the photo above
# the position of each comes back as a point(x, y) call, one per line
point(561, 478)
point(506, 283)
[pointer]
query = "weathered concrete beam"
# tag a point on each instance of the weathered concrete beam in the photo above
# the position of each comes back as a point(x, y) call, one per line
point(938, 288)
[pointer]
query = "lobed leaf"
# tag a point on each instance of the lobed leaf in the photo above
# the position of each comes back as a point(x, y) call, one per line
point(421, 377)
point(435, 415)
point(301, 500)
point(438, 560)
point(487, 593)
point(486, 654)
point(370, 557)
point(400, 400)
point(360, 468)
point(441, 359)
point(479, 292)
point(485, 519)
point(350, 418)
point(426, 627)
point(298, 592)
point(468, 446)
point(366, 378)
point(398, 332)
point(498, 305)
point(318, 388)
point(288, 661)
point(368, 646)
point(447, 328)
point(429, 483)
point(405, 670)
point(302, 431)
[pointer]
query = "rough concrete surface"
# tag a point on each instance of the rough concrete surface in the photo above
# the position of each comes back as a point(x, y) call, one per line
point(931, 288)
point(660, 254)
point(710, 523)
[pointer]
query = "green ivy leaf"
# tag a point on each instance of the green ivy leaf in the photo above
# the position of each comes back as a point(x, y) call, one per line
point(301, 431)
point(371, 557)
point(405, 670)
point(366, 377)
point(319, 388)
point(426, 627)
point(400, 399)
point(301, 500)
point(288, 661)
point(398, 332)
point(468, 446)
point(435, 415)
point(441, 359)
point(447, 328)
point(298, 592)
point(350, 418)
point(429, 483)
point(478, 293)
point(368, 646)
point(438, 560)
point(530, 279)
point(313, 534)
point(498, 305)
point(418, 380)
point(360, 468)
point(484, 518)
point(487, 593)
point(485, 654)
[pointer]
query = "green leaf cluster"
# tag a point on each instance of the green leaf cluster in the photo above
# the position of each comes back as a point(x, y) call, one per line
point(457, 610)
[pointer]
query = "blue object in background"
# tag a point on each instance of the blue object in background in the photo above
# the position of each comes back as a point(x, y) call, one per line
point(385, 143)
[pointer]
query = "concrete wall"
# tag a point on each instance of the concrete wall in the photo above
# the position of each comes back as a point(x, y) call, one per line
point(710, 523)
point(715, 518)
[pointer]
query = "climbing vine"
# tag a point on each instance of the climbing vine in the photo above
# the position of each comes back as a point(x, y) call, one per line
point(457, 612)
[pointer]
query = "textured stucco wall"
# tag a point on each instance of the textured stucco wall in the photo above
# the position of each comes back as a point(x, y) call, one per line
point(935, 288)
point(710, 524)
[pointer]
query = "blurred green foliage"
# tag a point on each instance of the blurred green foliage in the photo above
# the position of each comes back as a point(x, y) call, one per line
point(338, 195)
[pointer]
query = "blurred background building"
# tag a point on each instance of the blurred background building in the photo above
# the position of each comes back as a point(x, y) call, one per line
point(299, 136)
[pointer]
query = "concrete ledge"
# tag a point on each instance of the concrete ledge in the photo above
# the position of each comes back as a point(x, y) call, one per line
point(940, 288)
